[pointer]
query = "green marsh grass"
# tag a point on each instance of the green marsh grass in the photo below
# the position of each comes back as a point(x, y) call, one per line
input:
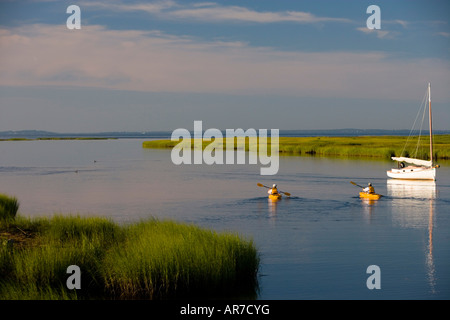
point(173, 260)
point(147, 260)
point(8, 207)
point(382, 147)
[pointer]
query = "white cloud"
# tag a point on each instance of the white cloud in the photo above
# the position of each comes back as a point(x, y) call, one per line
point(379, 33)
point(403, 23)
point(213, 12)
point(152, 8)
point(236, 13)
point(153, 61)
point(444, 34)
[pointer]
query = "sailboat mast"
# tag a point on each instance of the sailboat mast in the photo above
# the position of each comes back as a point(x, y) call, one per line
point(431, 125)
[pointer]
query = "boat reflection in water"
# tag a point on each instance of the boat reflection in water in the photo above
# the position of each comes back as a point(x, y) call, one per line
point(413, 207)
point(412, 202)
point(273, 203)
point(367, 205)
point(418, 189)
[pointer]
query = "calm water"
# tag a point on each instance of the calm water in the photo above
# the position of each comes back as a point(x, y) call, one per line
point(315, 245)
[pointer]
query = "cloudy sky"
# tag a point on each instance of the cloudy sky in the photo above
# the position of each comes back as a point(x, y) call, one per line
point(160, 65)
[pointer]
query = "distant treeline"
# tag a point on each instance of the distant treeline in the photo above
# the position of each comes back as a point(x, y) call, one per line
point(34, 134)
point(55, 138)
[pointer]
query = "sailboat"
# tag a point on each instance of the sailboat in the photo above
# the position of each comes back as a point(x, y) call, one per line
point(416, 169)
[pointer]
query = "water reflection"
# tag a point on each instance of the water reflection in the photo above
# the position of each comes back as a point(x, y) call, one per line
point(272, 208)
point(418, 189)
point(368, 206)
point(410, 201)
point(413, 207)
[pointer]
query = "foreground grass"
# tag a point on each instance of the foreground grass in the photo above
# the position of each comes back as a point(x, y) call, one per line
point(147, 260)
point(8, 207)
point(362, 146)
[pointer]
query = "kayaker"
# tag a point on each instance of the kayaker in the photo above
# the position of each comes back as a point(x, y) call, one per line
point(273, 190)
point(369, 189)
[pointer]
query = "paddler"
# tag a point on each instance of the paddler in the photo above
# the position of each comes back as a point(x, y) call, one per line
point(273, 190)
point(369, 189)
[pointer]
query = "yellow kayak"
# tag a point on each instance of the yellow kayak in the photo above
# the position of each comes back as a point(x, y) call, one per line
point(275, 196)
point(370, 196)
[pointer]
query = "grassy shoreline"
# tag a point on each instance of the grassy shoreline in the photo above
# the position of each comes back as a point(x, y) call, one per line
point(146, 260)
point(382, 147)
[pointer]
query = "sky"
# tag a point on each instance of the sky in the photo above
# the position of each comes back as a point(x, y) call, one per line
point(273, 64)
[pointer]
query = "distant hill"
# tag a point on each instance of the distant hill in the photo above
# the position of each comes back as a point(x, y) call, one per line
point(34, 134)
point(354, 132)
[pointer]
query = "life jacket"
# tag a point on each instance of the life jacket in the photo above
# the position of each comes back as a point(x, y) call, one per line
point(274, 191)
point(371, 189)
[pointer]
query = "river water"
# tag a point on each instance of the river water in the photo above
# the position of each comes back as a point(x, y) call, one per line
point(318, 244)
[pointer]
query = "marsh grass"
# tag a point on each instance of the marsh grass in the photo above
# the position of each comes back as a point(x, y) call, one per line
point(382, 147)
point(246, 142)
point(367, 146)
point(147, 260)
point(8, 207)
point(173, 260)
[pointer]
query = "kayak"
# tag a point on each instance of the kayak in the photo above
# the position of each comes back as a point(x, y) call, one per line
point(370, 196)
point(275, 196)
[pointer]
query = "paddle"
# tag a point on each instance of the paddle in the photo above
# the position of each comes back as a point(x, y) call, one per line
point(261, 185)
point(356, 184)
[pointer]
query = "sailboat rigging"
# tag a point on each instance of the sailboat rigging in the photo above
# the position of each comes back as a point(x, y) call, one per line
point(418, 169)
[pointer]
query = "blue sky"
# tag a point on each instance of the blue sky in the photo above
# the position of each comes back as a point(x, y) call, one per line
point(160, 65)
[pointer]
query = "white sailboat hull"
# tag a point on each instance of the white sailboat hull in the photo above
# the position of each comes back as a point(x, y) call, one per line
point(413, 173)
